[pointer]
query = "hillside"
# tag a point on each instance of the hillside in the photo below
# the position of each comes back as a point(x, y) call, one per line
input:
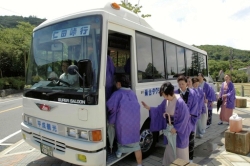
point(12, 21)
point(217, 52)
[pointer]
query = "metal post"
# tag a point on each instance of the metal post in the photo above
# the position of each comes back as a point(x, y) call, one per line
point(242, 91)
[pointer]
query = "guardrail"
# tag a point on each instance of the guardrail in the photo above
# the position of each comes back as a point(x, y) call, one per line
point(241, 89)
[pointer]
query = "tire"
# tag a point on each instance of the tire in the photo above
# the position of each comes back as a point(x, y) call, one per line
point(148, 139)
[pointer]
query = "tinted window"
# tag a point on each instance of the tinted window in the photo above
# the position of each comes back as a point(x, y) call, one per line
point(171, 60)
point(190, 67)
point(158, 59)
point(144, 58)
point(181, 61)
point(203, 64)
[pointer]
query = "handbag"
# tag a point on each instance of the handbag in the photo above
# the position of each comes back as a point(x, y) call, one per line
point(219, 103)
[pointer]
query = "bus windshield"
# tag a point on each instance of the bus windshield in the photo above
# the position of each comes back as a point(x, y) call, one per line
point(54, 49)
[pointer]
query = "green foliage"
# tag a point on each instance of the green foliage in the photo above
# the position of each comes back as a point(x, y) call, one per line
point(238, 76)
point(14, 49)
point(219, 59)
point(12, 21)
point(134, 8)
point(216, 52)
point(12, 82)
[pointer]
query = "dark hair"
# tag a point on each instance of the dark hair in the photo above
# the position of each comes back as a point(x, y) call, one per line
point(194, 80)
point(204, 79)
point(66, 61)
point(201, 75)
point(108, 52)
point(123, 79)
point(167, 88)
point(182, 78)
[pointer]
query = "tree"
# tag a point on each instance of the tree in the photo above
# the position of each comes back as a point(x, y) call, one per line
point(136, 9)
point(14, 49)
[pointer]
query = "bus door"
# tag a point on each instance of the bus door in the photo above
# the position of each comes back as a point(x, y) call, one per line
point(120, 47)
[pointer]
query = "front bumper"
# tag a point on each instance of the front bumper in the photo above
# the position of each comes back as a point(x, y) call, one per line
point(66, 149)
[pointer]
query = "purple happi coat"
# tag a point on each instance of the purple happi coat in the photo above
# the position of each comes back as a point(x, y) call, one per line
point(193, 107)
point(110, 70)
point(209, 104)
point(200, 100)
point(181, 121)
point(209, 94)
point(230, 94)
point(124, 111)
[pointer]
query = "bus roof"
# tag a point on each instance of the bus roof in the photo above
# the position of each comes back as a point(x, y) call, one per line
point(128, 19)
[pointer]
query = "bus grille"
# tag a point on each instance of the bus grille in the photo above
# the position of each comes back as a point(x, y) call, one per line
point(47, 141)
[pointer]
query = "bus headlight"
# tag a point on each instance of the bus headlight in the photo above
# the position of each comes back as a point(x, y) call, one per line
point(71, 132)
point(25, 118)
point(30, 120)
point(84, 135)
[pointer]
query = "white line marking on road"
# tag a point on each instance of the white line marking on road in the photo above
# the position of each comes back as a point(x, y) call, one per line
point(5, 144)
point(11, 148)
point(11, 135)
point(9, 101)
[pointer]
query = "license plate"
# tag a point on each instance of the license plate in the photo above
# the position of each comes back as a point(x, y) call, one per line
point(45, 149)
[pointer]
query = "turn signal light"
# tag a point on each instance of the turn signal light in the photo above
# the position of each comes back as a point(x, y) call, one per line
point(96, 135)
point(115, 6)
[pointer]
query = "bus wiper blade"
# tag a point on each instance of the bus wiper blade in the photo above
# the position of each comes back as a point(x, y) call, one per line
point(55, 92)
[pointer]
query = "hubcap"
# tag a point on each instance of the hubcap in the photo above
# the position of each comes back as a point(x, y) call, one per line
point(146, 140)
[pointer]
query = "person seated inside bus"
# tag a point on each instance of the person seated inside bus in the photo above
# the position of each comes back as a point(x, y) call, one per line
point(110, 71)
point(124, 114)
point(70, 79)
point(127, 66)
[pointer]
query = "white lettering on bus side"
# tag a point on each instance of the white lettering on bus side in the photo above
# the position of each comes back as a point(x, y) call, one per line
point(73, 101)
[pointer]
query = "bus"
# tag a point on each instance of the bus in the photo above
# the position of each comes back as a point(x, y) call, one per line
point(69, 122)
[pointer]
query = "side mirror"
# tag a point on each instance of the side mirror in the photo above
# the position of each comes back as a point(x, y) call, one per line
point(72, 69)
point(86, 71)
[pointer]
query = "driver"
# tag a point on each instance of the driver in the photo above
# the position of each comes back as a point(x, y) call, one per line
point(71, 79)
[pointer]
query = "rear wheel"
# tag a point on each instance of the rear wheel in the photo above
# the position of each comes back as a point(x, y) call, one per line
point(148, 140)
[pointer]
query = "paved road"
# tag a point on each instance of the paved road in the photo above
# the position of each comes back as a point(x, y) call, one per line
point(212, 142)
point(10, 120)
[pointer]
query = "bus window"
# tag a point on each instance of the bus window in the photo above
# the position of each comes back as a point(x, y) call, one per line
point(171, 60)
point(158, 59)
point(181, 61)
point(144, 58)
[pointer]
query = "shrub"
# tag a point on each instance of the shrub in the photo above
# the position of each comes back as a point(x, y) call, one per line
point(12, 82)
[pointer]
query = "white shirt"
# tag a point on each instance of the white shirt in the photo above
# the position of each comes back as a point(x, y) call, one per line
point(71, 79)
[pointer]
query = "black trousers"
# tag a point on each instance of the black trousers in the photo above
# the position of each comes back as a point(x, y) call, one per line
point(191, 145)
point(209, 118)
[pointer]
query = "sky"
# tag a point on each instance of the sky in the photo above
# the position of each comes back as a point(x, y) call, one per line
point(198, 22)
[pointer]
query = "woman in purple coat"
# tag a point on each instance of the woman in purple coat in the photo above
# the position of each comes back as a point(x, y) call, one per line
point(201, 106)
point(124, 114)
point(174, 105)
point(190, 98)
point(227, 92)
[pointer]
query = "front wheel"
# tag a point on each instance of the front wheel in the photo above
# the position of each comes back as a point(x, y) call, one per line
point(148, 140)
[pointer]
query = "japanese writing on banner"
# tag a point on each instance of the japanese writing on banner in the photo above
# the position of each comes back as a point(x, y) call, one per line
point(151, 91)
point(71, 32)
point(51, 127)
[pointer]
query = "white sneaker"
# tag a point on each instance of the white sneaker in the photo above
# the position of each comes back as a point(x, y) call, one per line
point(203, 131)
point(190, 161)
point(118, 154)
point(199, 136)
